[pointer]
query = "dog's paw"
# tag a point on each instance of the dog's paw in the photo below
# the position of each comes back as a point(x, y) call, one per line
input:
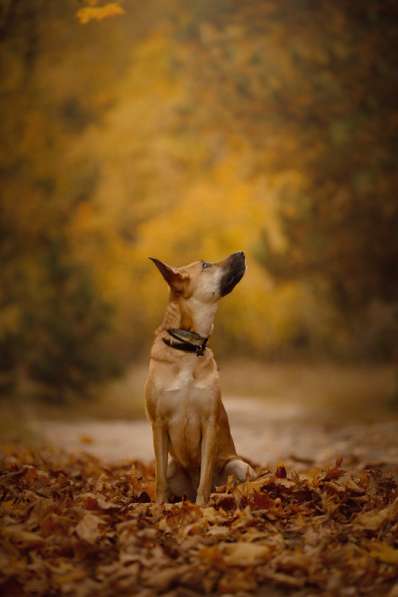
point(240, 470)
point(250, 473)
point(201, 500)
point(162, 497)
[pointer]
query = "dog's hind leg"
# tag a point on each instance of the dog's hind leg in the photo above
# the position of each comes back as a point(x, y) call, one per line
point(179, 482)
point(239, 469)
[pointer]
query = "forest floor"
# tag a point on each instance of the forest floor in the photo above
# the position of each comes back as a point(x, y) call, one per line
point(322, 517)
point(310, 412)
point(264, 432)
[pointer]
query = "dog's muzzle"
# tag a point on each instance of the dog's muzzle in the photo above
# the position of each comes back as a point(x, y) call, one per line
point(234, 269)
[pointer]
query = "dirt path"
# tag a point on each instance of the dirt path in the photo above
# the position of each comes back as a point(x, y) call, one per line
point(264, 431)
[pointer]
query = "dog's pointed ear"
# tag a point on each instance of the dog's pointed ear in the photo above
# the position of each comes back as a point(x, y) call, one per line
point(174, 278)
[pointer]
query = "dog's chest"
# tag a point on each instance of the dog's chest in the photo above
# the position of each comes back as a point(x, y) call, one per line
point(184, 394)
point(184, 399)
point(185, 405)
point(184, 380)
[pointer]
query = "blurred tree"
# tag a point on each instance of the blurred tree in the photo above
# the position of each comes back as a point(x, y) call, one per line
point(52, 318)
point(310, 87)
point(193, 129)
point(68, 357)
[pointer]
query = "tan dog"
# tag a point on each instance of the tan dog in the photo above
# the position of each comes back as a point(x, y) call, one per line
point(182, 389)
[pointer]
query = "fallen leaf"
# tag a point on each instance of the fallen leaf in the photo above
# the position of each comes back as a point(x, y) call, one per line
point(372, 521)
point(162, 579)
point(94, 501)
point(218, 531)
point(73, 525)
point(236, 581)
point(86, 439)
point(286, 580)
point(21, 537)
point(245, 554)
point(385, 553)
point(87, 529)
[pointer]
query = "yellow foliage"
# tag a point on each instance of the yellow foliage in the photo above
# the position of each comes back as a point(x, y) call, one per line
point(99, 13)
point(154, 187)
point(179, 214)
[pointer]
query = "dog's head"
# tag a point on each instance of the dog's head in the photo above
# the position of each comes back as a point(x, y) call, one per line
point(206, 282)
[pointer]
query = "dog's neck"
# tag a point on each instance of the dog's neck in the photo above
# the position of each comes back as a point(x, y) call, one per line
point(189, 315)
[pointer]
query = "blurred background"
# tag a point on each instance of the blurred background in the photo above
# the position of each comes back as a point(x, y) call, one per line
point(186, 130)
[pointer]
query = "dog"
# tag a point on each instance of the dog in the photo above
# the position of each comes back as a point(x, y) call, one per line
point(182, 390)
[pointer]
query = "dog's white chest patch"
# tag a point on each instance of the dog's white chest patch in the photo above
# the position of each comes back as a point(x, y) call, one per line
point(184, 378)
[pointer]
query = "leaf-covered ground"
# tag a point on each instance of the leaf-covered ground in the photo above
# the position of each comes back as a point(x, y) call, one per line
point(73, 525)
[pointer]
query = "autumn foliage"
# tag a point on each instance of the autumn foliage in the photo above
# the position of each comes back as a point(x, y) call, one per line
point(191, 130)
point(72, 525)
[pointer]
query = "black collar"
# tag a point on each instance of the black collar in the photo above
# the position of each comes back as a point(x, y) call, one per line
point(187, 341)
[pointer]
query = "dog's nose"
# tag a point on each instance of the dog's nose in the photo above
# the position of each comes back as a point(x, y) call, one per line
point(239, 254)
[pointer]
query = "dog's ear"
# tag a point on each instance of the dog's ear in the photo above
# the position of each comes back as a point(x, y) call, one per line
point(174, 278)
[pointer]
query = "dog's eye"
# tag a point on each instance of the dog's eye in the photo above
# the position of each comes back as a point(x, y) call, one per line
point(205, 264)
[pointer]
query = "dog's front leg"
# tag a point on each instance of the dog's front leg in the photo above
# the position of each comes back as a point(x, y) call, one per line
point(208, 452)
point(161, 447)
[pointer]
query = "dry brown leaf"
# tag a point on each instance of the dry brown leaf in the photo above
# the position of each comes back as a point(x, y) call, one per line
point(91, 529)
point(162, 579)
point(385, 553)
point(285, 579)
point(218, 531)
point(236, 581)
point(23, 538)
point(243, 553)
point(372, 521)
point(93, 501)
point(88, 528)
point(86, 439)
